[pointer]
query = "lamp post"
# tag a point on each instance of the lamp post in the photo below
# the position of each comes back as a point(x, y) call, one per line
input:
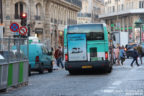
point(1, 12)
point(138, 23)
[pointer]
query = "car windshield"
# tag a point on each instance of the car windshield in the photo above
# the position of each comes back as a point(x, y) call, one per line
point(131, 46)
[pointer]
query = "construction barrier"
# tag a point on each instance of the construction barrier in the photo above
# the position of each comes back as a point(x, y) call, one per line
point(13, 63)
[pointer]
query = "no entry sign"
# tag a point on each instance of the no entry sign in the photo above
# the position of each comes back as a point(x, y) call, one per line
point(14, 27)
point(23, 30)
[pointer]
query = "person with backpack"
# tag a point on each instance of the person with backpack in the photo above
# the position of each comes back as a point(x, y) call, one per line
point(140, 52)
point(122, 54)
point(58, 57)
point(135, 56)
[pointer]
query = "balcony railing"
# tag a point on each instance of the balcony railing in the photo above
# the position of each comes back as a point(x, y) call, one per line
point(131, 11)
point(75, 2)
point(37, 18)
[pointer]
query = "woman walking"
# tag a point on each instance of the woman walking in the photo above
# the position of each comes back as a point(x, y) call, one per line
point(116, 51)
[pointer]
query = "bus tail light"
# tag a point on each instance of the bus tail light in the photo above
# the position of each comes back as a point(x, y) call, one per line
point(37, 59)
point(66, 57)
point(106, 55)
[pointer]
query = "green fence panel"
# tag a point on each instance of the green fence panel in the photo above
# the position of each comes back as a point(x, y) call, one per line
point(21, 72)
point(10, 74)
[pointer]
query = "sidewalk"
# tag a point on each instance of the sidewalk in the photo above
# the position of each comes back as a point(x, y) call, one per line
point(127, 63)
point(55, 67)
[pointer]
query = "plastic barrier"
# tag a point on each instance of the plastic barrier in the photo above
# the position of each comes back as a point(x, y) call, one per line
point(13, 63)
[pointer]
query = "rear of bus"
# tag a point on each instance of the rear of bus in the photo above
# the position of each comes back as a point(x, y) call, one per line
point(86, 47)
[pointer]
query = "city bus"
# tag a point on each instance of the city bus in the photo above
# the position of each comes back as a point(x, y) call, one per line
point(86, 47)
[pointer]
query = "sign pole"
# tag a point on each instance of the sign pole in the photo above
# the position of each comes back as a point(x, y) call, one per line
point(1, 11)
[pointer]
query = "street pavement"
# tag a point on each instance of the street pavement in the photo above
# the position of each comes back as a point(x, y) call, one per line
point(123, 81)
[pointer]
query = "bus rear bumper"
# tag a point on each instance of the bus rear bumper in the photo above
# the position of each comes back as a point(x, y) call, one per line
point(87, 65)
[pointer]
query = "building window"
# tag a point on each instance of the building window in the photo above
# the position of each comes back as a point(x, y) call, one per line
point(113, 8)
point(132, 5)
point(122, 7)
point(38, 11)
point(19, 9)
point(51, 20)
point(141, 4)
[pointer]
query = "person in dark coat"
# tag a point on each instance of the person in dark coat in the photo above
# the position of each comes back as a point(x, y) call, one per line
point(58, 57)
point(135, 56)
point(139, 49)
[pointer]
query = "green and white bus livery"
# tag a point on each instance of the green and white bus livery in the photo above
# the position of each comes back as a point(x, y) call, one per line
point(86, 47)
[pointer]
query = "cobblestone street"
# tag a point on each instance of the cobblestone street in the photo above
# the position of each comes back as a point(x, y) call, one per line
point(123, 81)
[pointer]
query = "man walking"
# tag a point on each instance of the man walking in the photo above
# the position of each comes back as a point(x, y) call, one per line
point(135, 56)
point(58, 57)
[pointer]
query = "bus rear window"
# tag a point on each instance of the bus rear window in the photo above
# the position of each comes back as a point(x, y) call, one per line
point(95, 36)
point(93, 31)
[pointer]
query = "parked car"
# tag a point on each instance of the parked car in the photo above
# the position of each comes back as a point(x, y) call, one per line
point(39, 58)
point(129, 49)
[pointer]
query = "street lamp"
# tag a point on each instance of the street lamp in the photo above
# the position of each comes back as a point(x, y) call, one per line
point(138, 24)
point(1, 12)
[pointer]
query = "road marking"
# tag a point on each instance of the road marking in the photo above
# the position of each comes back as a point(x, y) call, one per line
point(116, 83)
point(108, 90)
point(111, 87)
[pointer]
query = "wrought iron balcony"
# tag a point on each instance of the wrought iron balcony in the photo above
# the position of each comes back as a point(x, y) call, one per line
point(37, 17)
point(75, 2)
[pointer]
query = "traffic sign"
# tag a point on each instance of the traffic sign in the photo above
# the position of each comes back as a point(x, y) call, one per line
point(14, 27)
point(23, 30)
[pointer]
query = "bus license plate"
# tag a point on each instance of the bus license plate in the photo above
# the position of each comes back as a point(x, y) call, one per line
point(85, 67)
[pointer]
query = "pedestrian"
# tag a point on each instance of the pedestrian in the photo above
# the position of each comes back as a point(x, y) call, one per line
point(135, 56)
point(122, 55)
point(112, 54)
point(140, 52)
point(58, 57)
point(116, 52)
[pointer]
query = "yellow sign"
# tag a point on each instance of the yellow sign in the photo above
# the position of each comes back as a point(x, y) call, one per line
point(85, 67)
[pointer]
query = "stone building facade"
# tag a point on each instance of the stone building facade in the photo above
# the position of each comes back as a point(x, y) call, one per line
point(46, 18)
point(90, 11)
point(121, 15)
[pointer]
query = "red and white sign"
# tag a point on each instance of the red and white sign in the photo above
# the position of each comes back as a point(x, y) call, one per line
point(23, 30)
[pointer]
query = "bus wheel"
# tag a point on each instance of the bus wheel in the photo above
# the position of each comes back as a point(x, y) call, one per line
point(50, 70)
point(109, 70)
point(71, 72)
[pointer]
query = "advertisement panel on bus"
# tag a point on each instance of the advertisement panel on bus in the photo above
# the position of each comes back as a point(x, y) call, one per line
point(77, 47)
